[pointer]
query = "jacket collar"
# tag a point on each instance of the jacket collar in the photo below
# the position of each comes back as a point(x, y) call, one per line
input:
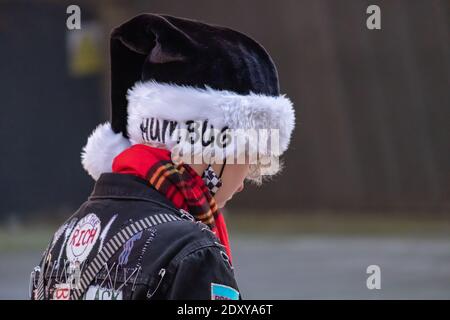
point(127, 186)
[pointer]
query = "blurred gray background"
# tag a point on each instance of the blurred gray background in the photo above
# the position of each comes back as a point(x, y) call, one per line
point(367, 178)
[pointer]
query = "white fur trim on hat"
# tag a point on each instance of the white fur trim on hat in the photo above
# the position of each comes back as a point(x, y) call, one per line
point(170, 104)
point(221, 108)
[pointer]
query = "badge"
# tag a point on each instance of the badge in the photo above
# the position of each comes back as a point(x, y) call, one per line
point(223, 292)
point(62, 292)
point(83, 238)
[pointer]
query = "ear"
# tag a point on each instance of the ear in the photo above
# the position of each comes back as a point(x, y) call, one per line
point(146, 38)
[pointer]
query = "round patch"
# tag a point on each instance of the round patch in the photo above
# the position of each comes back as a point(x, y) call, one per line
point(83, 238)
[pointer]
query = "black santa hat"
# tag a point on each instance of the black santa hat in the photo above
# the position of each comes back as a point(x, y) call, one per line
point(168, 71)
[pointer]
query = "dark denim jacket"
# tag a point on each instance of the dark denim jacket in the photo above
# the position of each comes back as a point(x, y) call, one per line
point(180, 259)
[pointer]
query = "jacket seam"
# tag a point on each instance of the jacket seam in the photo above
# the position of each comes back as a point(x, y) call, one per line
point(173, 209)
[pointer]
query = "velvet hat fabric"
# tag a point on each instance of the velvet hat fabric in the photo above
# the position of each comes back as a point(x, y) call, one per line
point(168, 73)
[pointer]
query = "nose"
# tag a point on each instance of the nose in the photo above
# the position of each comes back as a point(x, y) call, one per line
point(240, 188)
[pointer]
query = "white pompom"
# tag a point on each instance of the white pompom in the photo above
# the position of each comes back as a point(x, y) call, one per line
point(102, 147)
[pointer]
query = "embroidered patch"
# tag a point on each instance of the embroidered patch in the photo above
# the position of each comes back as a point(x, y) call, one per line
point(127, 247)
point(62, 291)
point(100, 293)
point(223, 292)
point(83, 238)
point(59, 233)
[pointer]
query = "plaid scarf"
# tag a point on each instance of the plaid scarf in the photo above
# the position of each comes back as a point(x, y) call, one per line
point(179, 183)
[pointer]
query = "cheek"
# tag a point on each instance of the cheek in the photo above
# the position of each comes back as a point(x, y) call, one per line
point(227, 190)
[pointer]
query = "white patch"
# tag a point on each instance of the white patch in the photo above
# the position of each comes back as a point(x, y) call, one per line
point(100, 293)
point(83, 238)
point(62, 292)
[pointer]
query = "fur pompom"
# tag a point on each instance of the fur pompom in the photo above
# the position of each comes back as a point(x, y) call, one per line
point(102, 147)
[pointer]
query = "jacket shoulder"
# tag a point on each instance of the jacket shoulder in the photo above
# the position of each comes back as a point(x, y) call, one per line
point(198, 266)
point(186, 236)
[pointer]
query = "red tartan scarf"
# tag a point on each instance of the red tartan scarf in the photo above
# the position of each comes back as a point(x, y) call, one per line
point(179, 183)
